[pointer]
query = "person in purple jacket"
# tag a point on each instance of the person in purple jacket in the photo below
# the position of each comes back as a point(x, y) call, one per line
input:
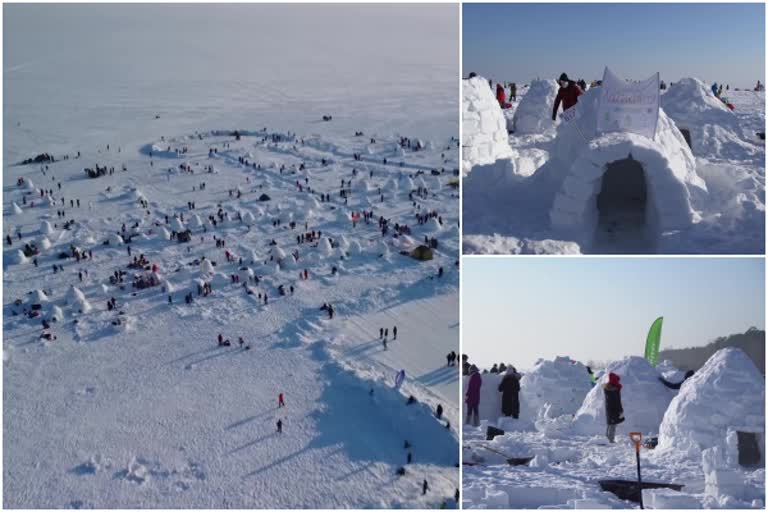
point(473, 396)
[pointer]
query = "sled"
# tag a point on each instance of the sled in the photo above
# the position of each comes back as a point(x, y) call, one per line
point(629, 490)
point(512, 461)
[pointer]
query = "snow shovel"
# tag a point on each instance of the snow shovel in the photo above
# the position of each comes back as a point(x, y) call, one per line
point(637, 438)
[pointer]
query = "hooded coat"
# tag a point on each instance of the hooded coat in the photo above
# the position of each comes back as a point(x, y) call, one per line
point(473, 388)
point(510, 389)
point(614, 412)
point(500, 95)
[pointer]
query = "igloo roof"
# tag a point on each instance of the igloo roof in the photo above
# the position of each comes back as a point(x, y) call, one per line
point(561, 382)
point(484, 128)
point(727, 392)
point(643, 396)
point(692, 106)
point(533, 114)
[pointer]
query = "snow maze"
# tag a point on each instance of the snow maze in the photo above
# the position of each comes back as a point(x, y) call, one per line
point(277, 224)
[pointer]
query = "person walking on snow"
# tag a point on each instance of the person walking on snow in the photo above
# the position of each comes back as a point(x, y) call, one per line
point(568, 95)
point(472, 397)
point(614, 413)
point(510, 397)
point(280, 401)
point(394, 332)
point(279, 426)
point(424, 487)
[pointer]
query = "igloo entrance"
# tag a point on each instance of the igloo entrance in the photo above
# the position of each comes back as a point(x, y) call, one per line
point(687, 136)
point(749, 449)
point(623, 195)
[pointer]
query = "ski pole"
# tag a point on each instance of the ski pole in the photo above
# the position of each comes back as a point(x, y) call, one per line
point(636, 438)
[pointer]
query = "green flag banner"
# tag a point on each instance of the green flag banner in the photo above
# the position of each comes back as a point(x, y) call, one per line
point(653, 341)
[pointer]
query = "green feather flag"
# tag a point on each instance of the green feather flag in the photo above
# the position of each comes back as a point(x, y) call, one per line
point(653, 341)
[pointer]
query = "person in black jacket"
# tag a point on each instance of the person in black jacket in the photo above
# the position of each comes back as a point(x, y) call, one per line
point(614, 412)
point(510, 389)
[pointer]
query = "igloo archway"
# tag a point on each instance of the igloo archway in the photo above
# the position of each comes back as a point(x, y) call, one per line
point(620, 179)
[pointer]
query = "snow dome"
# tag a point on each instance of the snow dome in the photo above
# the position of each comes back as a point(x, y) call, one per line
point(17, 257)
point(562, 383)
point(177, 225)
point(534, 113)
point(17, 209)
point(484, 128)
point(603, 176)
point(643, 397)
point(46, 228)
point(195, 222)
point(728, 392)
point(76, 298)
point(708, 126)
point(206, 267)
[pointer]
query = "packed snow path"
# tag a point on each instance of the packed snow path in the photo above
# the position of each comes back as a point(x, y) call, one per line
point(150, 412)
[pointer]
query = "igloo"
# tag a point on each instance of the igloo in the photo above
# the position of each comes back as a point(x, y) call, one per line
point(46, 228)
point(484, 128)
point(726, 396)
point(561, 383)
point(707, 125)
point(644, 399)
point(643, 183)
point(533, 114)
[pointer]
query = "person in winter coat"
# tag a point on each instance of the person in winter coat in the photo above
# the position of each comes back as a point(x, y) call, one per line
point(714, 88)
point(513, 92)
point(472, 397)
point(510, 389)
point(568, 94)
point(500, 95)
point(614, 413)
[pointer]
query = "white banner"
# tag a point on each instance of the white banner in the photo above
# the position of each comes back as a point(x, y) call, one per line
point(628, 106)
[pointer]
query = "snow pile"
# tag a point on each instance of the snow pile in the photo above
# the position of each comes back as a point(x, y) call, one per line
point(484, 128)
point(711, 125)
point(670, 372)
point(728, 392)
point(44, 244)
point(561, 383)
point(17, 209)
point(534, 114)
point(580, 157)
point(643, 397)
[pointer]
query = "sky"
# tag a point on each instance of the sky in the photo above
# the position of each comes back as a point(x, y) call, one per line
point(520, 42)
point(517, 310)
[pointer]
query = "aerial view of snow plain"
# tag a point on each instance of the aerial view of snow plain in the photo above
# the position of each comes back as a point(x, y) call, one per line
point(230, 256)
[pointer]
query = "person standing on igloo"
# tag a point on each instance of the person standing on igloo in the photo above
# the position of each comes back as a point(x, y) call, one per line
point(568, 94)
point(614, 413)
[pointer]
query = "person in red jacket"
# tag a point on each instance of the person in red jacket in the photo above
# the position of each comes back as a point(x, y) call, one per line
point(501, 96)
point(568, 94)
point(472, 397)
